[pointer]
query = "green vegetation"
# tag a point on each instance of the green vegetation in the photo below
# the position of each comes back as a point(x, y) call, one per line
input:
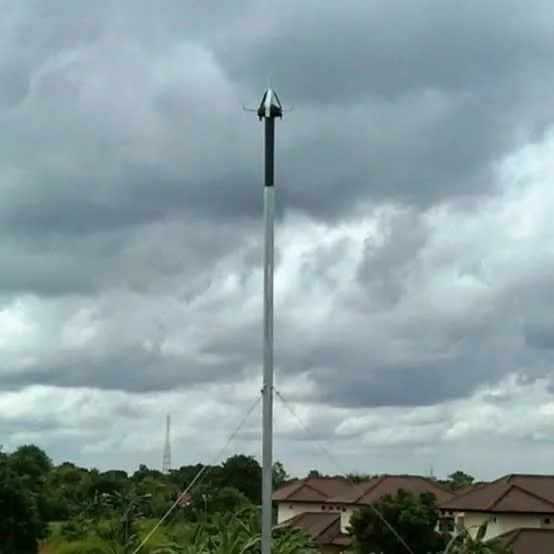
point(66, 509)
point(463, 543)
point(413, 520)
point(394, 523)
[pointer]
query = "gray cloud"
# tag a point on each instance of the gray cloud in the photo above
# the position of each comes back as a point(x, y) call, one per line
point(435, 94)
point(130, 201)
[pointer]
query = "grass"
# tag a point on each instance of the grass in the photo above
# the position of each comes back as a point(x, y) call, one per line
point(231, 533)
point(91, 543)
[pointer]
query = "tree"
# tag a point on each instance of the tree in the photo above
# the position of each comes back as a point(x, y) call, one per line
point(244, 473)
point(280, 476)
point(66, 490)
point(357, 478)
point(413, 517)
point(20, 525)
point(463, 543)
point(459, 480)
point(31, 464)
point(129, 506)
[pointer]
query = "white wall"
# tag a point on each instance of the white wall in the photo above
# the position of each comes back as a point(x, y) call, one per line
point(345, 516)
point(503, 523)
point(287, 510)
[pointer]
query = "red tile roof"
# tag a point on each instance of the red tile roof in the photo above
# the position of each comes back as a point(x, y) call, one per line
point(322, 527)
point(514, 493)
point(312, 489)
point(366, 493)
point(528, 541)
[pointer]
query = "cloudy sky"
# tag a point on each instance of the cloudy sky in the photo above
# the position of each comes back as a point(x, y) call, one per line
point(415, 251)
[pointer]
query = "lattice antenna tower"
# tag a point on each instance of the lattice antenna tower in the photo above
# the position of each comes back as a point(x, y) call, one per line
point(166, 463)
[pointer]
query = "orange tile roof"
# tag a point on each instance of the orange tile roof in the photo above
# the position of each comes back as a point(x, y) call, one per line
point(366, 493)
point(312, 489)
point(515, 493)
point(322, 527)
point(528, 541)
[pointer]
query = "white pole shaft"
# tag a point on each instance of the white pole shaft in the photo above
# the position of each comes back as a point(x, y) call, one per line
point(267, 424)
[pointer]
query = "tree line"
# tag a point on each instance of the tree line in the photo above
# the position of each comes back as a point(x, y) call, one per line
point(67, 507)
point(39, 499)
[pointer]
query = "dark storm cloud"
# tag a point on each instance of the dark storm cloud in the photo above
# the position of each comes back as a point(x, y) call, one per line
point(386, 266)
point(425, 362)
point(340, 53)
point(143, 139)
point(423, 96)
point(130, 369)
point(127, 163)
point(144, 259)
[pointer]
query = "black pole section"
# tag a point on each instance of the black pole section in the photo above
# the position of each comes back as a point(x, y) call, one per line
point(269, 152)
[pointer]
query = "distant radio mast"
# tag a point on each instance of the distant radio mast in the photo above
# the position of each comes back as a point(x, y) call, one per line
point(166, 463)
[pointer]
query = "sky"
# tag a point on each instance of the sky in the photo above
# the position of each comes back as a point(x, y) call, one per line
point(414, 249)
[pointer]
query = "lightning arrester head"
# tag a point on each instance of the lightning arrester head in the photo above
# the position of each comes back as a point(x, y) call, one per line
point(270, 106)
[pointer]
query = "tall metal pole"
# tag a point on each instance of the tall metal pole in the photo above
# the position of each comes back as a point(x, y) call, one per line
point(166, 462)
point(270, 108)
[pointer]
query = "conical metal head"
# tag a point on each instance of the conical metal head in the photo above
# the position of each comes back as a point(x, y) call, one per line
point(270, 106)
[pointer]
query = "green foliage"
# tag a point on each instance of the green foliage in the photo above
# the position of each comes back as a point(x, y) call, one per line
point(21, 527)
point(414, 517)
point(92, 511)
point(88, 511)
point(280, 476)
point(459, 480)
point(83, 546)
point(235, 534)
point(74, 529)
point(463, 543)
point(357, 478)
point(243, 473)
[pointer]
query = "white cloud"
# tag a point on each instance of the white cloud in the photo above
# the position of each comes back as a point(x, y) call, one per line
point(502, 235)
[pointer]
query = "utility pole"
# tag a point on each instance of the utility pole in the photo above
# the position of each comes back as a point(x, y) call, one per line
point(166, 462)
point(269, 109)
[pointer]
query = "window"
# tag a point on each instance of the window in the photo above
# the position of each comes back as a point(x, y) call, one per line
point(546, 521)
point(291, 506)
point(323, 507)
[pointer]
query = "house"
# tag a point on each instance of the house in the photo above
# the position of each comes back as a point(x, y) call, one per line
point(322, 507)
point(307, 495)
point(367, 493)
point(324, 530)
point(511, 502)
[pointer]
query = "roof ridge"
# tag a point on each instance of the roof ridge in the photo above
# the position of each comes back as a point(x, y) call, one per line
point(515, 534)
point(496, 500)
point(534, 494)
point(303, 515)
point(298, 484)
point(456, 496)
point(314, 488)
point(295, 487)
point(361, 489)
point(540, 475)
point(332, 522)
point(511, 487)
